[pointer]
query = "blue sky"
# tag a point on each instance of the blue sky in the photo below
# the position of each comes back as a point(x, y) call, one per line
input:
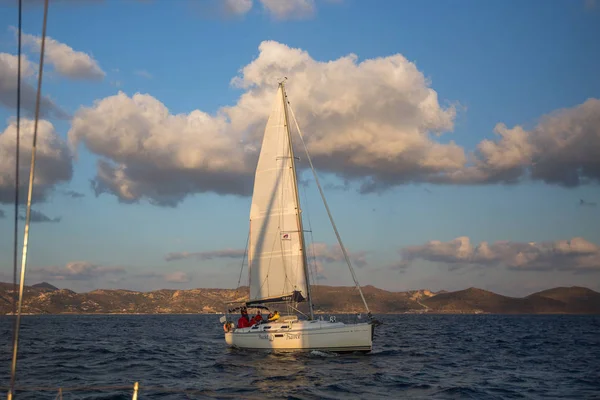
point(511, 62)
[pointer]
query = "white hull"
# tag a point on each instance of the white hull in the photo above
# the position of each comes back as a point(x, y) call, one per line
point(304, 336)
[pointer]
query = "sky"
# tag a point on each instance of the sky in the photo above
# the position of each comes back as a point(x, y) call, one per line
point(458, 142)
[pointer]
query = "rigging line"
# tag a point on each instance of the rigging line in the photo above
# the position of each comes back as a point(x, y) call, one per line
point(17, 152)
point(242, 269)
point(13, 369)
point(337, 234)
point(312, 241)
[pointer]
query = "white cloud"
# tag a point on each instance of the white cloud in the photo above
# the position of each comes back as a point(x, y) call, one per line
point(66, 61)
point(289, 9)
point(237, 7)
point(367, 121)
point(148, 152)
point(371, 123)
point(8, 88)
point(76, 271)
point(561, 149)
point(576, 254)
point(53, 160)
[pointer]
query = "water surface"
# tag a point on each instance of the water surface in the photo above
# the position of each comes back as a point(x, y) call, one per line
point(414, 356)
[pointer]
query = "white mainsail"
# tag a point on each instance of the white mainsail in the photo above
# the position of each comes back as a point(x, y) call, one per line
point(275, 255)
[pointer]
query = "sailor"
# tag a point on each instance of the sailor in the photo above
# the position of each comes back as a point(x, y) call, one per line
point(257, 319)
point(274, 317)
point(244, 321)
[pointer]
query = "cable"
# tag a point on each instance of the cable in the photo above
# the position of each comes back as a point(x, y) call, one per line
point(16, 233)
point(337, 234)
point(242, 269)
point(13, 370)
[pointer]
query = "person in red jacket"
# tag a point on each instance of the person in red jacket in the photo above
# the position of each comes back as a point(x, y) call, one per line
point(244, 321)
point(257, 319)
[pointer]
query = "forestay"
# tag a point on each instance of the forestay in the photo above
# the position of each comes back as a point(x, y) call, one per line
point(275, 251)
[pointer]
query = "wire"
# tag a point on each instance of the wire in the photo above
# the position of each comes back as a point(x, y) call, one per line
point(242, 269)
point(13, 370)
point(16, 233)
point(337, 234)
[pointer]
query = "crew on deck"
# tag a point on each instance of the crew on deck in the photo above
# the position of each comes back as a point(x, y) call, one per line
point(257, 319)
point(274, 316)
point(244, 321)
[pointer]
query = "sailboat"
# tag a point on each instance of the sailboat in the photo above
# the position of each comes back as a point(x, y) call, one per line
point(277, 257)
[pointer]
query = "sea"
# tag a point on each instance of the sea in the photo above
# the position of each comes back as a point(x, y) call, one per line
point(414, 357)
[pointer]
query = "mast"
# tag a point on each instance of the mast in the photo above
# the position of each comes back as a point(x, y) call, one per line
point(298, 210)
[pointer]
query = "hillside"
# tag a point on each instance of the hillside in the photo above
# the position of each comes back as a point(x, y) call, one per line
point(478, 300)
point(47, 299)
point(576, 299)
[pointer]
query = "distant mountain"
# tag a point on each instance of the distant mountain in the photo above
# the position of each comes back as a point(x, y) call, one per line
point(44, 298)
point(45, 285)
point(478, 300)
point(576, 299)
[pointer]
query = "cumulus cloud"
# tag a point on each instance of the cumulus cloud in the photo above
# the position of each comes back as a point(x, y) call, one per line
point(206, 255)
point(148, 152)
point(8, 88)
point(576, 254)
point(38, 216)
point(67, 62)
point(369, 121)
point(53, 160)
point(76, 271)
point(561, 149)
